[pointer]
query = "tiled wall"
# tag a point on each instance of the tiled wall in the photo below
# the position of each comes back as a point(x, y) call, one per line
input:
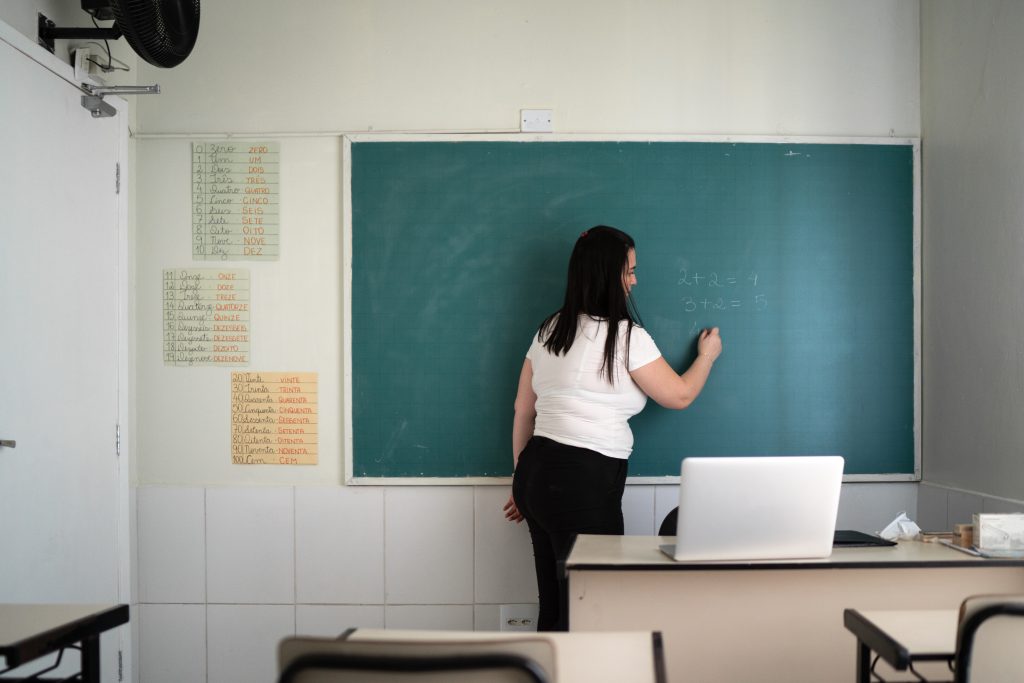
point(225, 573)
point(940, 507)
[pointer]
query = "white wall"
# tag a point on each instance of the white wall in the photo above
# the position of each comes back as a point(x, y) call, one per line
point(184, 414)
point(973, 152)
point(808, 67)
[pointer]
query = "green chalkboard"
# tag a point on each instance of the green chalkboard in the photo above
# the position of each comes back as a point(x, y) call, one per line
point(803, 255)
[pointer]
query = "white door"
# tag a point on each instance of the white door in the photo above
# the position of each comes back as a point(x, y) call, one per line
point(62, 488)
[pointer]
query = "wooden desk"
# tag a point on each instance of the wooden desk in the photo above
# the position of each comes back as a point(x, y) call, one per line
point(745, 621)
point(902, 637)
point(28, 632)
point(610, 657)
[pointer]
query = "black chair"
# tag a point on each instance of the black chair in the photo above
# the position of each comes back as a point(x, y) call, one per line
point(324, 660)
point(668, 525)
point(989, 639)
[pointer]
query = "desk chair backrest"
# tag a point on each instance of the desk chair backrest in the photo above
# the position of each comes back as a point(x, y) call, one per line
point(323, 660)
point(670, 523)
point(990, 639)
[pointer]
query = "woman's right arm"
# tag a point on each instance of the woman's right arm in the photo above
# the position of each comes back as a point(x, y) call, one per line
point(522, 428)
point(658, 380)
point(526, 412)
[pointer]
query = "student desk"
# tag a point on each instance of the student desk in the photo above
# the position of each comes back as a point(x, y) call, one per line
point(28, 632)
point(745, 621)
point(902, 637)
point(579, 657)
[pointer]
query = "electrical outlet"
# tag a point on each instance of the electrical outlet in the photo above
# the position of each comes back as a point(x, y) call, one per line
point(81, 62)
point(518, 617)
point(85, 70)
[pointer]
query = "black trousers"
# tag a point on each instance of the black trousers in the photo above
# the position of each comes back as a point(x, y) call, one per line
point(563, 491)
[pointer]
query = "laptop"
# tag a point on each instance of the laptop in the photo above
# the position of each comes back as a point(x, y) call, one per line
point(761, 508)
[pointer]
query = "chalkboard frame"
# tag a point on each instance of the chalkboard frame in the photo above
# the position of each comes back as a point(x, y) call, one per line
point(554, 138)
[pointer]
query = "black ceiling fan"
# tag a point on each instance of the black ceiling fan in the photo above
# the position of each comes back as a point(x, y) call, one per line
point(162, 32)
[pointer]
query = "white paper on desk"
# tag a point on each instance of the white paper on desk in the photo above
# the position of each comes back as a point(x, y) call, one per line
point(901, 529)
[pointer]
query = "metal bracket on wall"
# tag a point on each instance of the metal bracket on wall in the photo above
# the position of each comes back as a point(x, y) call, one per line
point(96, 105)
point(93, 101)
point(48, 33)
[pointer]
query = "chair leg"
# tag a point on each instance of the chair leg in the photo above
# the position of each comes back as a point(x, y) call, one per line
point(863, 663)
point(91, 659)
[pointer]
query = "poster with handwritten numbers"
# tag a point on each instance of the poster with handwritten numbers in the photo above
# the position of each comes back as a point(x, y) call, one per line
point(274, 418)
point(206, 316)
point(235, 201)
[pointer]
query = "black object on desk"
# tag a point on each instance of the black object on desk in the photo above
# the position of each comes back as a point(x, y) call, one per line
point(848, 538)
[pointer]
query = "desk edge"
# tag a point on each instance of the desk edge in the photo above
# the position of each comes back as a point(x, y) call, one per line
point(25, 650)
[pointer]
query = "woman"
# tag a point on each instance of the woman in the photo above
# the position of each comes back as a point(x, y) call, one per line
point(590, 368)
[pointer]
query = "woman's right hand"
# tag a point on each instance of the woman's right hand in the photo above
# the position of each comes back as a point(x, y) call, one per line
point(512, 512)
point(709, 344)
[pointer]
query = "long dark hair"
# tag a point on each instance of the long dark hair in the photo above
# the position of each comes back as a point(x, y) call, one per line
point(595, 288)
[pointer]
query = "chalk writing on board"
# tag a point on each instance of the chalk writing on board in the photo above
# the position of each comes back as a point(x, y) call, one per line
point(713, 279)
point(759, 302)
point(713, 291)
point(235, 201)
point(206, 317)
point(274, 418)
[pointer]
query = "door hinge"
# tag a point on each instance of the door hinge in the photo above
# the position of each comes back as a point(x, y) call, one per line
point(117, 440)
point(120, 666)
point(117, 179)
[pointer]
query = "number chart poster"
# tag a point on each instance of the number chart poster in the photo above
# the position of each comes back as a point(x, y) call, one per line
point(206, 316)
point(274, 418)
point(235, 201)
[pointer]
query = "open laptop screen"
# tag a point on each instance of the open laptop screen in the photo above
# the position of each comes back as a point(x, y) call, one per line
point(757, 508)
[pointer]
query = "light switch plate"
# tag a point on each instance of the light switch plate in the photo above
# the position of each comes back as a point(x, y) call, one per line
point(536, 121)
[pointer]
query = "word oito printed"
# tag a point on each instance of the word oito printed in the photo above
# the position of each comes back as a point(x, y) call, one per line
point(235, 201)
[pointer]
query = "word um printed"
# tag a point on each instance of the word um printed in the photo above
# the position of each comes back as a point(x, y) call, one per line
point(235, 201)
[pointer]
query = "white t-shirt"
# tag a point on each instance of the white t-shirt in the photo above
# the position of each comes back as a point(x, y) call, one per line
point(576, 404)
